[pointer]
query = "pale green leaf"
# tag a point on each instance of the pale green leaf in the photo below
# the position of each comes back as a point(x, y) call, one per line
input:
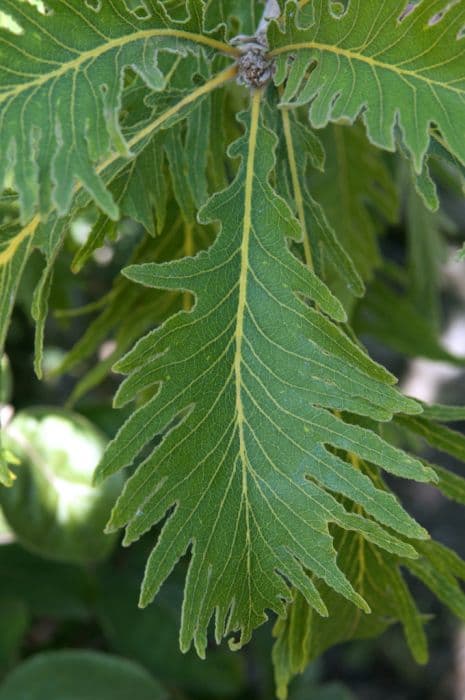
point(426, 254)
point(438, 436)
point(321, 245)
point(396, 69)
point(444, 414)
point(49, 239)
point(232, 15)
point(358, 196)
point(15, 247)
point(443, 572)
point(303, 635)
point(61, 84)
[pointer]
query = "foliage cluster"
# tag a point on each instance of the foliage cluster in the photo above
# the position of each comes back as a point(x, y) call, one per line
point(250, 158)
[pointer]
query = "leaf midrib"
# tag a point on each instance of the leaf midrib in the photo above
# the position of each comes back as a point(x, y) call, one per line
point(372, 62)
point(241, 307)
point(212, 84)
point(92, 54)
point(13, 245)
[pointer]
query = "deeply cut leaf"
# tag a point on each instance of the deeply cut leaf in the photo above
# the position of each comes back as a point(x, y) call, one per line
point(15, 246)
point(245, 383)
point(303, 636)
point(393, 68)
point(60, 91)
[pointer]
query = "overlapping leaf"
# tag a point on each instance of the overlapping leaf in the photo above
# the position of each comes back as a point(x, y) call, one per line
point(393, 66)
point(388, 313)
point(129, 311)
point(426, 254)
point(61, 85)
point(15, 244)
point(358, 195)
point(241, 17)
point(138, 186)
point(245, 382)
point(303, 635)
point(323, 249)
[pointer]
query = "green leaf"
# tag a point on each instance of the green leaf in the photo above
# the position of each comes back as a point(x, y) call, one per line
point(15, 247)
point(129, 311)
point(303, 636)
point(444, 414)
point(321, 245)
point(451, 485)
point(246, 380)
point(392, 317)
point(242, 17)
point(134, 186)
point(59, 590)
point(358, 196)
point(61, 85)
point(406, 70)
point(426, 254)
point(443, 572)
point(79, 675)
point(49, 238)
point(438, 436)
point(16, 243)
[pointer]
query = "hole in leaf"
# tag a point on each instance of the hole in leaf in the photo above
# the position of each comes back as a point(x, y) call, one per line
point(435, 19)
point(95, 5)
point(40, 6)
point(139, 9)
point(408, 9)
point(461, 33)
point(337, 9)
point(7, 22)
point(438, 16)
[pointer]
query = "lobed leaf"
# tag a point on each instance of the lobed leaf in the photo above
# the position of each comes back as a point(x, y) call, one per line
point(396, 68)
point(302, 636)
point(15, 246)
point(246, 383)
point(358, 196)
point(61, 82)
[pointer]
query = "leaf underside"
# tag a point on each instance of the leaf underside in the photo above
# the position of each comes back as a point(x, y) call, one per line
point(396, 68)
point(247, 381)
point(247, 460)
point(70, 63)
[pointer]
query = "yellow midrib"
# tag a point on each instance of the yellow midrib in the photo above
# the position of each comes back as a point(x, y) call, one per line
point(215, 82)
point(354, 56)
point(98, 51)
point(242, 299)
point(13, 245)
point(298, 195)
